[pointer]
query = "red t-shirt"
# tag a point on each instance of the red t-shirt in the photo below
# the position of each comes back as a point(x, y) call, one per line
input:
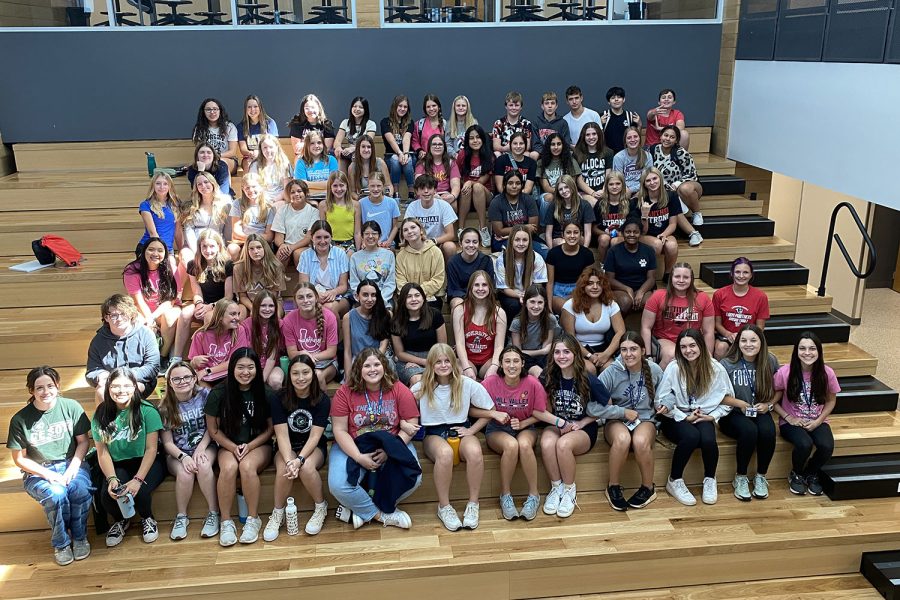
point(302, 334)
point(673, 117)
point(476, 171)
point(382, 412)
point(676, 318)
point(519, 402)
point(737, 311)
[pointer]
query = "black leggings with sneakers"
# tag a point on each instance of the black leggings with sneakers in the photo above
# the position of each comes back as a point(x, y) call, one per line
point(752, 433)
point(804, 441)
point(687, 438)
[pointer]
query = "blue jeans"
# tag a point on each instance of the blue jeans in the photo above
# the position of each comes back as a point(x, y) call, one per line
point(66, 507)
point(354, 497)
point(396, 169)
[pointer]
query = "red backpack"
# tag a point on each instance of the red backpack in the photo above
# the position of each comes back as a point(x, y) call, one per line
point(60, 247)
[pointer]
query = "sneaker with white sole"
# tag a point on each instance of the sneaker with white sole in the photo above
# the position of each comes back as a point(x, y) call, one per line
point(342, 513)
point(695, 239)
point(116, 533)
point(530, 507)
point(710, 491)
point(250, 530)
point(551, 502)
point(797, 483)
point(567, 502)
point(63, 556)
point(616, 497)
point(741, 485)
point(398, 518)
point(697, 219)
point(678, 490)
point(210, 525)
point(179, 527)
point(642, 497)
point(227, 533)
point(508, 507)
point(317, 520)
point(471, 515)
point(449, 517)
point(270, 533)
point(813, 486)
point(149, 530)
point(485, 237)
point(81, 549)
point(760, 487)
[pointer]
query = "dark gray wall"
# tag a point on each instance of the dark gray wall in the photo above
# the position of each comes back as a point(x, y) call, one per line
point(884, 235)
point(135, 84)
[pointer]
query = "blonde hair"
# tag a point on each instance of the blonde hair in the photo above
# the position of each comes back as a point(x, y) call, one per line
point(468, 121)
point(216, 267)
point(281, 166)
point(270, 274)
point(559, 204)
point(260, 200)
point(624, 200)
point(156, 207)
point(218, 210)
point(330, 200)
point(429, 380)
point(217, 321)
point(662, 197)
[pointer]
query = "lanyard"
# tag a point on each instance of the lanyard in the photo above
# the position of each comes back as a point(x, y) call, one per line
point(806, 395)
point(374, 410)
point(634, 393)
point(751, 381)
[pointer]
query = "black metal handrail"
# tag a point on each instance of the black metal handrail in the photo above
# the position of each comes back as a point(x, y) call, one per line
point(832, 236)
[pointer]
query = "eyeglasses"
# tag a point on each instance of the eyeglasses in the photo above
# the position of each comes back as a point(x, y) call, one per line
point(211, 110)
point(115, 316)
point(180, 380)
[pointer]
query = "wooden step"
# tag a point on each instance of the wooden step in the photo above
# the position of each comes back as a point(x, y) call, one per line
point(787, 300)
point(549, 557)
point(846, 359)
point(89, 283)
point(725, 250)
point(90, 231)
point(35, 336)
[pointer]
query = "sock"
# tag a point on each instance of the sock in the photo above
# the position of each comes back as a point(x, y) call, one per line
point(554, 484)
point(570, 487)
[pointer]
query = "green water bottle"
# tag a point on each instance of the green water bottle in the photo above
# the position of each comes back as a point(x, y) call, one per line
point(151, 163)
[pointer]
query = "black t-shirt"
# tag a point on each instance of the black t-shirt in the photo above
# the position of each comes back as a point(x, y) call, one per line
point(502, 210)
point(630, 268)
point(586, 215)
point(421, 340)
point(302, 419)
point(566, 402)
point(659, 216)
point(527, 166)
point(594, 166)
point(249, 407)
point(614, 132)
point(386, 128)
point(299, 131)
point(613, 218)
point(212, 291)
point(566, 269)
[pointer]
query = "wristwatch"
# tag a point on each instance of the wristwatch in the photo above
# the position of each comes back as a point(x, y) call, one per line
point(181, 457)
point(208, 371)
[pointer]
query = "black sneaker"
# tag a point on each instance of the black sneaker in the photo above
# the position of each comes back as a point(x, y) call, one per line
point(797, 484)
point(813, 486)
point(616, 497)
point(642, 497)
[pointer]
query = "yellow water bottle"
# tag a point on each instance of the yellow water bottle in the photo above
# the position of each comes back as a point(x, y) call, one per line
point(453, 440)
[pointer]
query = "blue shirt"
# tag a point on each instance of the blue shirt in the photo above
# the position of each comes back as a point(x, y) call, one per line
point(271, 129)
point(318, 171)
point(338, 264)
point(383, 214)
point(165, 226)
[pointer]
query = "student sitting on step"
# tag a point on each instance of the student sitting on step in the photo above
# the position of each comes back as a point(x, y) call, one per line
point(663, 116)
point(326, 267)
point(476, 167)
point(292, 223)
point(461, 266)
point(160, 212)
point(250, 214)
point(439, 165)
point(213, 344)
point(677, 167)
point(312, 329)
point(420, 260)
point(593, 318)
point(479, 328)
point(351, 130)
point(737, 305)
point(257, 270)
point(263, 328)
point(374, 264)
point(315, 165)
point(805, 395)
point(213, 127)
point(630, 268)
point(207, 160)
point(274, 170)
point(610, 213)
point(311, 117)
point(364, 164)
point(53, 469)
point(415, 328)
point(516, 269)
point(208, 210)
point(254, 124)
point(533, 330)
point(435, 215)
point(367, 325)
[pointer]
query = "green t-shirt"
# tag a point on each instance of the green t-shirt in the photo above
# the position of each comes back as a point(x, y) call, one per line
point(48, 436)
point(123, 444)
point(214, 409)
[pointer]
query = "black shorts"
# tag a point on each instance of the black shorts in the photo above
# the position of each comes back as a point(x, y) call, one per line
point(493, 427)
point(443, 430)
point(535, 361)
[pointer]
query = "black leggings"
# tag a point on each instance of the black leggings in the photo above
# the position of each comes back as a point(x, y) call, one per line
point(687, 438)
point(751, 433)
point(803, 441)
point(125, 470)
point(511, 306)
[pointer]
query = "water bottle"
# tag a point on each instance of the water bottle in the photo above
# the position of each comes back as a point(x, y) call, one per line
point(373, 479)
point(151, 163)
point(614, 233)
point(243, 513)
point(290, 514)
point(126, 503)
point(453, 440)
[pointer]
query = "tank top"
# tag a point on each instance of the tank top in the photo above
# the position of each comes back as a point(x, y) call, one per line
point(479, 343)
point(341, 220)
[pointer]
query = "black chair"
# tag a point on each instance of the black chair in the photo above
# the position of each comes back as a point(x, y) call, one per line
point(329, 13)
point(462, 13)
point(522, 12)
point(400, 12)
point(211, 14)
point(174, 17)
point(251, 15)
point(279, 16)
point(565, 11)
point(591, 11)
point(144, 7)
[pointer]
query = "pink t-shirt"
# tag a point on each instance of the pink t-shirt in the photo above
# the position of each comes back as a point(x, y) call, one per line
point(132, 279)
point(737, 311)
point(677, 318)
point(673, 117)
point(440, 174)
point(519, 402)
point(804, 407)
point(381, 412)
point(302, 334)
point(218, 348)
point(420, 138)
point(245, 325)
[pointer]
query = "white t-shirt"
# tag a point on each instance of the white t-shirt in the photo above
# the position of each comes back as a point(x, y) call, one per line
point(539, 274)
point(368, 127)
point(473, 394)
point(588, 332)
point(253, 224)
point(435, 218)
point(294, 223)
point(576, 125)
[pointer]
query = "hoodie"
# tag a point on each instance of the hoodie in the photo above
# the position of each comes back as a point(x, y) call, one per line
point(425, 267)
point(672, 395)
point(622, 386)
point(543, 128)
point(136, 350)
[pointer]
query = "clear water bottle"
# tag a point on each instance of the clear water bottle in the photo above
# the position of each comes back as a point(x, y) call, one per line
point(151, 163)
point(126, 503)
point(243, 513)
point(290, 515)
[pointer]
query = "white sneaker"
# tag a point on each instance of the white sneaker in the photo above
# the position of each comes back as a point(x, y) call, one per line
point(227, 533)
point(678, 490)
point(551, 502)
point(179, 527)
point(317, 520)
point(210, 525)
point(117, 533)
point(470, 517)
point(447, 515)
point(710, 492)
point(567, 502)
point(250, 531)
point(270, 533)
point(697, 219)
point(149, 530)
point(508, 507)
point(485, 237)
point(695, 239)
point(398, 518)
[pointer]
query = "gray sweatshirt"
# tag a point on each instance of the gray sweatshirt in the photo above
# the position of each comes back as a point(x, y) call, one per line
point(137, 350)
point(672, 394)
point(623, 387)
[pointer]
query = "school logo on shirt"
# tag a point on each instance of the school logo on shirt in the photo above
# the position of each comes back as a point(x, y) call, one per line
point(739, 315)
point(568, 404)
point(515, 216)
point(475, 341)
point(220, 353)
point(300, 421)
point(680, 314)
point(380, 421)
point(44, 433)
point(659, 217)
point(642, 262)
point(307, 341)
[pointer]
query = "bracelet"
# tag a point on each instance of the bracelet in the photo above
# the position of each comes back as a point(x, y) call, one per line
point(181, 457)
point(139, 480)
point(111, 477)
point(467, 368)
point(557, 423)
point(301, 459)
